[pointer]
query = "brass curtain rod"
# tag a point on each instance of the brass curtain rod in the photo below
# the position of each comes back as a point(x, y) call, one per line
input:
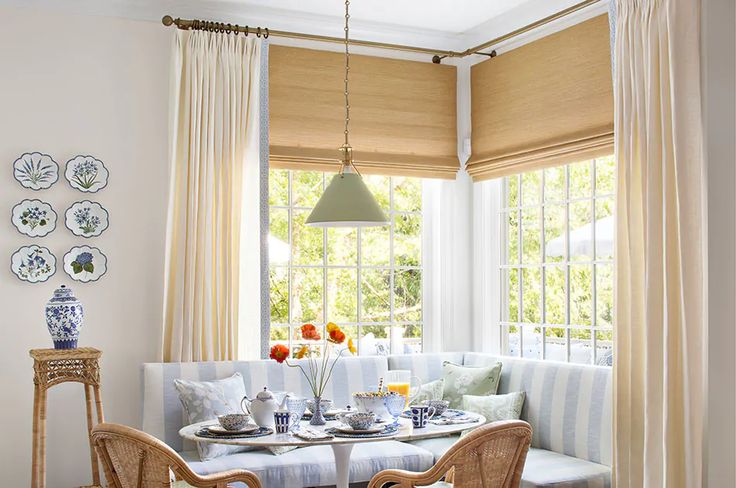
point(437, 55)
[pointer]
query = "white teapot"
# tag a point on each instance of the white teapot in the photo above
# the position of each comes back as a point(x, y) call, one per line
point(262, 407)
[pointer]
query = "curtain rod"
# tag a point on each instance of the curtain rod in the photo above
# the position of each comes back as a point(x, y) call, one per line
point(437, 55)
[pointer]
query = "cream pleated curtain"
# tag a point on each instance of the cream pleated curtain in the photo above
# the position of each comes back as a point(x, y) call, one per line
point(660, 324)
point(214, 193)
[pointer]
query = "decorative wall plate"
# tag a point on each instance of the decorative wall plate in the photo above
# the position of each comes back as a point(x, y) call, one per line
point(86, 173)
point(34, 264)
point(35, 170)
point(86, 219)
point(33, 218)
point(84, 263)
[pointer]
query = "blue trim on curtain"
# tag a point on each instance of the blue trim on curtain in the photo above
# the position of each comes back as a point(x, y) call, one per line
point(264, 154)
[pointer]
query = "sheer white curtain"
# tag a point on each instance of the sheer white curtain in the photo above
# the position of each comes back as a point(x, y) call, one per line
point(660, 324)
point(213, 224)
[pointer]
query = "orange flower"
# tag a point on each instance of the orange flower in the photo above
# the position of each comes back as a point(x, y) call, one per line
point(332, 326)
point(337, 336)
point(279, 352)
point(351, 346)
point(309, 333)
point(302, 352)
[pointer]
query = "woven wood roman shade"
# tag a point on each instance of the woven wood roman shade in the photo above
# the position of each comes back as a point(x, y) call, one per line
point(402, 113)
point(546, 103)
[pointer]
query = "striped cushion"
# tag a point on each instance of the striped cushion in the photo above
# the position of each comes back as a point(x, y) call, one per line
point(163, 415)
point(315, 465)
point(568, 405)
point(427, 367)
point(554, 470)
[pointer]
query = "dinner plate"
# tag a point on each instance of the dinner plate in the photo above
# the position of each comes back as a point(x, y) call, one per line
point(219, 430)
point(346, 429)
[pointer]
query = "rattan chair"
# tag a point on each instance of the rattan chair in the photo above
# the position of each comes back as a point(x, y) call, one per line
point(491, 456)
point(134, 459)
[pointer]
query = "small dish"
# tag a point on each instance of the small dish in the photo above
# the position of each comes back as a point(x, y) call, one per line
point(234, 421)
point(219, 430)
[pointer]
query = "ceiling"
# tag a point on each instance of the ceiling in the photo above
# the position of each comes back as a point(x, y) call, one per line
point(441, 24)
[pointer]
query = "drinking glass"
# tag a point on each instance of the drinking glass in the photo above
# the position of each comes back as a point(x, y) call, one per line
point(395, 404)
point(296, 406)
point(402, 382)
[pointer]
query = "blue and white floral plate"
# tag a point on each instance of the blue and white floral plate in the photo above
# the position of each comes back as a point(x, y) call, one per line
point(86, 173)
point(85, 263)
point(450, 413)
point(87, 219)
point(207, 434)
point(35, 170)
point(34, 264)
point(388, 431)
point(34, 218)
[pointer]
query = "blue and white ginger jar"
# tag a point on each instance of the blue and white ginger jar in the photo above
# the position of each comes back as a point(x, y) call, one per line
point(64, 317)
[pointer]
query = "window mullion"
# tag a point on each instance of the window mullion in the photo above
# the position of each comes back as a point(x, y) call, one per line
point(567, 259)
point(519, 275)
point(594, 270)
point(543, 270)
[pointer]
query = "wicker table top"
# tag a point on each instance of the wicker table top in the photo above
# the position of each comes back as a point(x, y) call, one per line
point(56, 354)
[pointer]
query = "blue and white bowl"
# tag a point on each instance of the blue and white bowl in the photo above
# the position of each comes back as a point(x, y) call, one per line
point(64, 318)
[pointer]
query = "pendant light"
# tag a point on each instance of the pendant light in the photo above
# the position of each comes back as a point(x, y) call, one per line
point(347, 201)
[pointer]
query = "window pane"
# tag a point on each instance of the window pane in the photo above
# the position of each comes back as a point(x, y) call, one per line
point(604, 294)
point(375, 293)
point(306, 241)
point(374, 340)
point(532, 343)
point(554, 184)
point(604, 348)
point(379, 187)
point(279, 294)
point(581, 231)
point(512, 191)
point(555, 302)
point(605, 176)
point(342, 246)
point(512, 280)
point(407, 240)
point(307, 286)
point(531, 298)
point(513, 341)
point(530, 235)
point(279, 228)
point(412, 339)
point(580, 179)
point(342, 295)
point(407, 194)
point(554, 233)
point(555, 344)
point(375, 246)
point(280, 334)
point(581, 350)
point(278, 187)
point(581, 294)
point(351, 332)
point(531, 186)
point(408, 296)
point(604, 228)
point(512, 237)
point(306, 188)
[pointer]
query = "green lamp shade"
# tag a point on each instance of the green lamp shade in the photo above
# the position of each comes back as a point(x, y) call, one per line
point(347, 202)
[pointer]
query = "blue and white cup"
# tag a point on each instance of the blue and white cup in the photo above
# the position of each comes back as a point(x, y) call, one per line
point(282, 421)
point(420, 415)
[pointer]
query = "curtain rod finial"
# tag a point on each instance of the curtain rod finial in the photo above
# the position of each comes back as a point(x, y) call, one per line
point(167, 20)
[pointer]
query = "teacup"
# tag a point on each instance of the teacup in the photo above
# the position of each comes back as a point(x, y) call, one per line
point(358, 420)
point(234, 421)
point(439, 406)
point(325, 404)
point(420, 415)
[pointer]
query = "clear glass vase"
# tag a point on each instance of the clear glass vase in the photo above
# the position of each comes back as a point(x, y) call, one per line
point(318, 417)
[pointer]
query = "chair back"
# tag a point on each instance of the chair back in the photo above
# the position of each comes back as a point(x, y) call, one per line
point(491, 456)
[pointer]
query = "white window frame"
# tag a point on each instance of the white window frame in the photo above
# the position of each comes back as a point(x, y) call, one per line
point(396, 340)
point(504, 267)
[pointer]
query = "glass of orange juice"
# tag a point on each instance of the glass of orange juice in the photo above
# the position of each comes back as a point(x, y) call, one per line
point(402, 382)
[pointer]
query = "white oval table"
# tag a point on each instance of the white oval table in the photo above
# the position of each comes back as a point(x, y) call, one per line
point(341, 446)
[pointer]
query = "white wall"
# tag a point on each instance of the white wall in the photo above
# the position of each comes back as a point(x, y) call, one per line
point(90, 85)
point(719, 97)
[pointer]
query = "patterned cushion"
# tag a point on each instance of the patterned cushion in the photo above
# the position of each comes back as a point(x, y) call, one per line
point(568, 405)
point(553, 470)
point(430, 391)
point(315, 465)
point(496, 407)
point(464, 380)
point(427, 367)
point(205, 400)
point(163, 415)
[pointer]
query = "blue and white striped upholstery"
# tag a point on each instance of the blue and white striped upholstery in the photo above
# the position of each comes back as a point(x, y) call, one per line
point(163, 415)
point(427, 367)
point(568, 405)
point(315, 465)
point(551, 469)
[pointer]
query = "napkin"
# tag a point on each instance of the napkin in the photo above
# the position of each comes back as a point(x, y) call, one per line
point(464, 419)
point(312, 435)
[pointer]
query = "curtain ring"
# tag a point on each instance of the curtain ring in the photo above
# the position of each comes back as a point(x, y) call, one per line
point(228, 28)
point(247, 29)
point(258, 34)
point(265, 36)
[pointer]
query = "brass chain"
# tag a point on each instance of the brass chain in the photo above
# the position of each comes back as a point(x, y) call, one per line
point(347, 71)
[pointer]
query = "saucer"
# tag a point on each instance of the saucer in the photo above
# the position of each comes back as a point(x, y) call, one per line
point(346, 429)
point(219, 430)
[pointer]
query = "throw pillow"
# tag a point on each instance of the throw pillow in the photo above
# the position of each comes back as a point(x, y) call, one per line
point(430, 391)
point(205, 400)
point(467, 380)
point(496, 407)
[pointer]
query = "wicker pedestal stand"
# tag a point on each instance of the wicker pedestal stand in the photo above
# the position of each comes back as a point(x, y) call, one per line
point(52, 367)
